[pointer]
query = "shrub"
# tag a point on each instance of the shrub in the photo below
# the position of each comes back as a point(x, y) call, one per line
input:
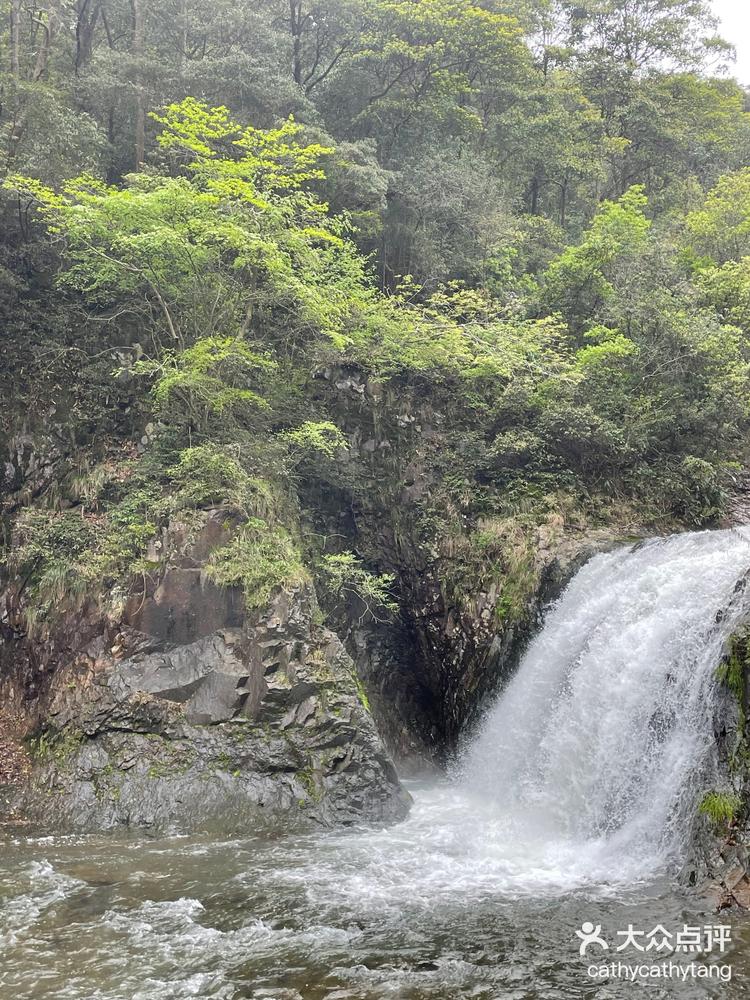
point(343, 575)
point(209, 475)
point(261, 560)
point(721, 808)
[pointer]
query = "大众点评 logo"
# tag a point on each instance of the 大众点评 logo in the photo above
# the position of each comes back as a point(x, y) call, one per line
point(690, 939)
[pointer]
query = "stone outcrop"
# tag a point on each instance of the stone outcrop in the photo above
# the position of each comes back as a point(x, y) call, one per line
point(185, 713)
point(718, 860)
point(467, 651)
point(724, 870)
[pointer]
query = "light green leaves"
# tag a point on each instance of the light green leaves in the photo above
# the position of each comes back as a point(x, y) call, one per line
point(238, 161)
point(720, 230)
point(315, 439)
point(216, 377)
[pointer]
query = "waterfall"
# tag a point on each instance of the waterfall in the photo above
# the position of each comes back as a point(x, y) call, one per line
point(599, 747)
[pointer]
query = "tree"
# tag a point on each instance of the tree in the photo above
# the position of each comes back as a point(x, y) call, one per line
point(437, 64)
point(560, 137)
point(577, 283)
point(720, 230)
point(231, 238)
point(322, 36)
point(638, 34)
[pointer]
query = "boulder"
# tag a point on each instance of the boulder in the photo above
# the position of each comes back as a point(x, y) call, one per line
point(188, 714)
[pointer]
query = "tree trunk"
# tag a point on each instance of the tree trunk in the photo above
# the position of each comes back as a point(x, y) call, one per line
point(87, 16)
point(295, 20)
point(140, 100)
point(49, 27)
point(15, 34)
point(184, 26)
point(563, 203)
point(534, 195)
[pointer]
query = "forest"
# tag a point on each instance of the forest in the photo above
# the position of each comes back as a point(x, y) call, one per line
point(529, 218)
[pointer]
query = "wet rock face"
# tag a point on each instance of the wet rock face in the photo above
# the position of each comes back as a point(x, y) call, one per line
point(228, 728)
point(465, 654)
point(208, 678)
point(717, 866)
point(719, 871)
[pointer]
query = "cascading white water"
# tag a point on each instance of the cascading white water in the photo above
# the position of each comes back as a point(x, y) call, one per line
point(566, 807)
point(597, 748)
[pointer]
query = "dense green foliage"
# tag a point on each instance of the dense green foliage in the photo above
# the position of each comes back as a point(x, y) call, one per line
point(721, 808)
point(463, 269)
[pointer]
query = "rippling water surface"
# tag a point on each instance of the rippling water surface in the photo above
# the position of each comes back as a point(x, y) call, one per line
point(572, 802)
point(422, 910)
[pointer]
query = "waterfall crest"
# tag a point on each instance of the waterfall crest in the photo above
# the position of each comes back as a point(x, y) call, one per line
point(601, 740)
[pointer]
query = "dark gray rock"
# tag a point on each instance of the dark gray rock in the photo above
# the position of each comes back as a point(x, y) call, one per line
point(233, 728)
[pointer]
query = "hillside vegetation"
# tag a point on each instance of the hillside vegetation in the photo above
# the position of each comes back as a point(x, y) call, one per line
point(396, 284)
